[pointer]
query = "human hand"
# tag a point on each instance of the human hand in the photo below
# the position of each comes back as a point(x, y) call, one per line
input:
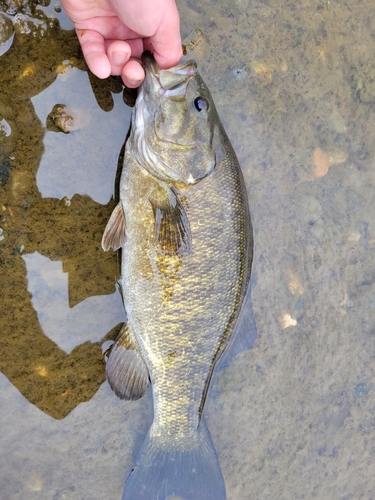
point(114, 33)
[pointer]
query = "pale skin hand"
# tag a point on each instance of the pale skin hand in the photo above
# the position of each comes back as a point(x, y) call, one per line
point(114, 33)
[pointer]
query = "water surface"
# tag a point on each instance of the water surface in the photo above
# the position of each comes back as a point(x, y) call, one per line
point(292, 418)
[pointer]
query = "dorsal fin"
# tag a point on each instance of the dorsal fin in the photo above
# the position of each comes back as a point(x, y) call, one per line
point(114, 232)
point(172, 230)
point(127, 373)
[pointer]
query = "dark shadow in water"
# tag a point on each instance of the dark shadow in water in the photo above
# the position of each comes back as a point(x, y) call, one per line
point(245, 333)
point(49, 378)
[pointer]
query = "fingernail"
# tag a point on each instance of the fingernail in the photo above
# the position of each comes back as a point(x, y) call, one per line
point(120, 57)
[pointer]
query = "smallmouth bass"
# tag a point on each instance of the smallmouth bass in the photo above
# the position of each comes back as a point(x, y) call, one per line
point(184, 228)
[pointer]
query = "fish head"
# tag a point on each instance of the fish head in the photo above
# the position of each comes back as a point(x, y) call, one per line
point(174, 123)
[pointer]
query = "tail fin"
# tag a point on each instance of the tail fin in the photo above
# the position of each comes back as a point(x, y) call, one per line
point(167, 474)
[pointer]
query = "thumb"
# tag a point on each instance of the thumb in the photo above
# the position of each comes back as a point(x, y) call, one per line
point(166, 43)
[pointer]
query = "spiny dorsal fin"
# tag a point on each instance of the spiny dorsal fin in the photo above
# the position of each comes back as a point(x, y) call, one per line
point(127, 373)
point(114, 232)
point(172, 231)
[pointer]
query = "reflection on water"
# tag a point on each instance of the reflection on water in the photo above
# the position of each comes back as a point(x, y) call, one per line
point(62, 174)
point(67, 326)
point(294, 417)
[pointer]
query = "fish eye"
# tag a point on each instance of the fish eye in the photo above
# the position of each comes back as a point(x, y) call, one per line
point(201, 104)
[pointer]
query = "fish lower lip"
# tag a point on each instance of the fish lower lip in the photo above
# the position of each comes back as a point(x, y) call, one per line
point(148, 62)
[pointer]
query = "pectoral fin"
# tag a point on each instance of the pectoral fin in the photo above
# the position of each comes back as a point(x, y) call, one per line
point(127, 373)
point(114, 232)
point(172, 231)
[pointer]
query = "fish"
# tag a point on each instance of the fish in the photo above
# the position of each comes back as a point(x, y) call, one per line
point(184, 229)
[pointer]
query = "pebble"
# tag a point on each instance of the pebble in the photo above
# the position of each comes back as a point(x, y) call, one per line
point(264, 71)
point(323, 161)
point(59, 120)
point(294, 283)
point(286, 320)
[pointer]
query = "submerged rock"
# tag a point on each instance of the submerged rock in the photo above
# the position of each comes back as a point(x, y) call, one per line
point(59, 120)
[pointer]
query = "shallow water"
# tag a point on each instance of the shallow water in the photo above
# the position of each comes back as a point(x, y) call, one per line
point(292, 418)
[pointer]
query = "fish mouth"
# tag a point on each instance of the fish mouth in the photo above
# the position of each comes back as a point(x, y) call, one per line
point(171, 82)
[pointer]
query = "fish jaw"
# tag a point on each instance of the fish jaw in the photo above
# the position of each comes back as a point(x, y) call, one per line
point(168, 83)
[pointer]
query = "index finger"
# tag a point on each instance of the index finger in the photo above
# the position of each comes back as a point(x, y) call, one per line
point(93, 48)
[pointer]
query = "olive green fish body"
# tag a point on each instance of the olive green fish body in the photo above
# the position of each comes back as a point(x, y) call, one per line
point(186, 260)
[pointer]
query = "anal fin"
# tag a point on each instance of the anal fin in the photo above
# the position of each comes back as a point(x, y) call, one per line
point(127, 373)
point(114, 232)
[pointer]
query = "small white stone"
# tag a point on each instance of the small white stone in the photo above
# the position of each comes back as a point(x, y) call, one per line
point(354, 237)
point(286, 320)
